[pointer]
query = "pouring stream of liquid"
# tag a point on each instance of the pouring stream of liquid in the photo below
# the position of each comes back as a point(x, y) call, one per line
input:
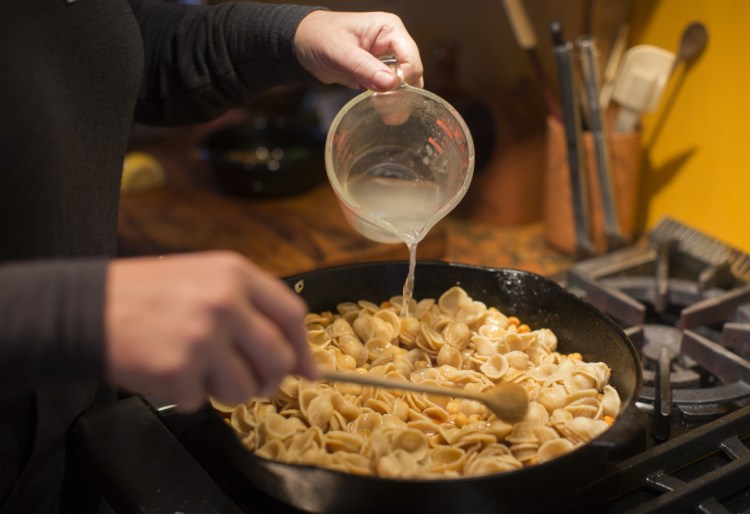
point(408, 290)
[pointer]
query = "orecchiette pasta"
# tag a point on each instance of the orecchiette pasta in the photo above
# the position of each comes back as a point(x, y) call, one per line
point(453, 341)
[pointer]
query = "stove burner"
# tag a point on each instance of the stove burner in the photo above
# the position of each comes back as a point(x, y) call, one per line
point(657, 337)
point(656, 330)
point(653, 340)
point(688, 316)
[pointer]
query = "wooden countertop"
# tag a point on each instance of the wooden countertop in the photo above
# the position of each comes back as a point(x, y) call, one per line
point(297, 233)
point(285, 236)
point(519, 246)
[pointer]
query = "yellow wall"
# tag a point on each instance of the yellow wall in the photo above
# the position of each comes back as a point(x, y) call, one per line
point(697, 152)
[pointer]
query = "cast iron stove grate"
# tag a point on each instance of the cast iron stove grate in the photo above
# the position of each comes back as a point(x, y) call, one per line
point(706, 470)
point(684, 302)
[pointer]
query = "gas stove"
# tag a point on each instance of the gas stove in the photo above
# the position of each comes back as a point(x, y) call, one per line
point(682, 297)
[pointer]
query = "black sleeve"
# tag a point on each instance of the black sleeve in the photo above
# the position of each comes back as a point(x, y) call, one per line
point(51, 325)
point(204, 60)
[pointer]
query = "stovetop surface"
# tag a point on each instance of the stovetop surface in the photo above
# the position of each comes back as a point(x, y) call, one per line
point(683, 300)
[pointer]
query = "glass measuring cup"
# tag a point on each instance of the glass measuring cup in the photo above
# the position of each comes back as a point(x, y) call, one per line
point(398, 161)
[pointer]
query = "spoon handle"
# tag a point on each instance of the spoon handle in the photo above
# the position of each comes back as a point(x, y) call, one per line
point(354, 378)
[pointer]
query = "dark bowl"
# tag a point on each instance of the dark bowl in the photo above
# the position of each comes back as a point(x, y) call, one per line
point(268, 156)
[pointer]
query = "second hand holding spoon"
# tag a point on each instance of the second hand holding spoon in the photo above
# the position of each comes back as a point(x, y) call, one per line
point(507, 400)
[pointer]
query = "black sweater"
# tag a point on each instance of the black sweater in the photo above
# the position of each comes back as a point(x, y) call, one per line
point(73, 77)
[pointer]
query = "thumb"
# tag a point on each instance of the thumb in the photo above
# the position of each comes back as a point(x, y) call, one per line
point(372, 73)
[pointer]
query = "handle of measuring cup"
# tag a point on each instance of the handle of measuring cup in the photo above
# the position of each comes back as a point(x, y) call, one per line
point(392, 62)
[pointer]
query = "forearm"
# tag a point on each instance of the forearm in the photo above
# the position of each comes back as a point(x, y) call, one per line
point(51, 325)
point(202, 61)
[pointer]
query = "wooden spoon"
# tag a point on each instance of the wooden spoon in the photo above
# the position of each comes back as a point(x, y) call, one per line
point(692, 42)
point(507, 400)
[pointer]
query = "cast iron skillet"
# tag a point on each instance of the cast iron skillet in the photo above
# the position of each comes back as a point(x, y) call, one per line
point(538, 302)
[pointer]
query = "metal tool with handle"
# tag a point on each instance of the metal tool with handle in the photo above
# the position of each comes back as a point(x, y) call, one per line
point(590, 72)
point(526, 39)
point(571, 108)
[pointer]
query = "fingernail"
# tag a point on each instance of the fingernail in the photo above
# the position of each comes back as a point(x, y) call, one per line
point(383, 79)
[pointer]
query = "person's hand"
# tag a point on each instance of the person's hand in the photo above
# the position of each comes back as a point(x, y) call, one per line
point(344, 48)
point(187, 326)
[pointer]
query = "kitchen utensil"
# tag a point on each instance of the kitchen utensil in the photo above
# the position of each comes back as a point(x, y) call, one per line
point(508, 400)
point(692, 43)
point(398, 161)
point(640, 82)
point(526, 39)
point(570, 97)
point(537, 301)
point(586, 47)
point(613, 63)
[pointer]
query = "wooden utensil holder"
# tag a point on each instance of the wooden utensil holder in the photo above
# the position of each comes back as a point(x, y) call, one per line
point(625, 150)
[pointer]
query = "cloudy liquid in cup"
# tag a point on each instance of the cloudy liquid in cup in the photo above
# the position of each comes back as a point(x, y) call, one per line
point(402, 207)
